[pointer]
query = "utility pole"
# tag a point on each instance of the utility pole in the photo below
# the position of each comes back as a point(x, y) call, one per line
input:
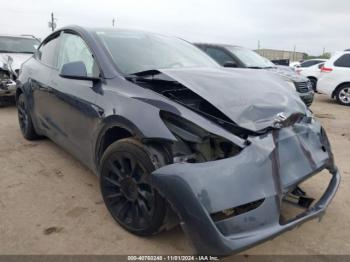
point(258, 44)
point(113, 22)
point(294, 52)
point(52, 23)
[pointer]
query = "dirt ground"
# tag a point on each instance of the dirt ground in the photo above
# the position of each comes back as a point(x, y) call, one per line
point(51, 204)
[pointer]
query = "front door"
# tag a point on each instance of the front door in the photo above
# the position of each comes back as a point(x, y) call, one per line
point(76, 115)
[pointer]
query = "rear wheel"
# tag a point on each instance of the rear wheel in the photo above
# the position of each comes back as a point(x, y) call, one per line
point(126, 188)
point(25, 120)
point(313, 83)
point(343, 95)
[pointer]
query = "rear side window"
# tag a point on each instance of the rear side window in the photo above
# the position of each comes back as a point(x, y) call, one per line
point(219, 55)
point(310, 63)
point(47, 53)
point(343, 61)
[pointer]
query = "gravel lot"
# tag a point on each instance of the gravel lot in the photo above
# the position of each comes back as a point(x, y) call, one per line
point(51, 204)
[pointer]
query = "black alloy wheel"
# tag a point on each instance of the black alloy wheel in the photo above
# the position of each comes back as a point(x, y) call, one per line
point(127, 191)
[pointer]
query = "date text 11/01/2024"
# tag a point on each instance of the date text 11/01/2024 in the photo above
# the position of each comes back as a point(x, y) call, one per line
point(172, 258)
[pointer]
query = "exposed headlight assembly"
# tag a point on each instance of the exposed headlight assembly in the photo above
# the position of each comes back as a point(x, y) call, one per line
point(195, 144)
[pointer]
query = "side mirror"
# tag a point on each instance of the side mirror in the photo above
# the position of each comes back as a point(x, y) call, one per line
point(76, 70)
point(230, 64)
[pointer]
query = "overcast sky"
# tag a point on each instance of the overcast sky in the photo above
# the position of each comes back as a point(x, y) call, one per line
point(310, 25)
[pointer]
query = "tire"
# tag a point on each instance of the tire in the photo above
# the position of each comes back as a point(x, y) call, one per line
point(343, 95)
point(126, 188)
point(314, 84)
point(25, 120)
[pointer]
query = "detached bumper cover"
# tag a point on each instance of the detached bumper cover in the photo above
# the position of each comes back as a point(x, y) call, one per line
point(268, 168)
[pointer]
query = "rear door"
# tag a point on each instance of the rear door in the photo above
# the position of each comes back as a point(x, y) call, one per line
point(73, 101)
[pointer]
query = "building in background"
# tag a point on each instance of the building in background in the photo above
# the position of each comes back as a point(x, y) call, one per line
point(273, 54)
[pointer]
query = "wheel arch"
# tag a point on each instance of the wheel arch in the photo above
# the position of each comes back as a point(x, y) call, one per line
point(113, 129)
point(338, 87)
point(312, 77)
point(116, 128)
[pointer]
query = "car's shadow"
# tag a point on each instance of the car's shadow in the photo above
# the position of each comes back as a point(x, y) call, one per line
point(173, 240)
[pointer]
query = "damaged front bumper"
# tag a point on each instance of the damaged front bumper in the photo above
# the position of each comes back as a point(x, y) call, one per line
point(263, 173)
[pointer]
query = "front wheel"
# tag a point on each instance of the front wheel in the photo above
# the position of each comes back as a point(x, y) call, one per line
point(343, 95)
point(126, 188)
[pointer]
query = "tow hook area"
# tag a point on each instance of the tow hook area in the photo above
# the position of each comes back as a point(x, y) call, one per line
point(299, 198)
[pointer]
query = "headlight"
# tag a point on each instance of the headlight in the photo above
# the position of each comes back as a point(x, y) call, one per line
point(195, 144)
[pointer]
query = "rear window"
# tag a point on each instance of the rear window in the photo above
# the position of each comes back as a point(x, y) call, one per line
point(343, 61)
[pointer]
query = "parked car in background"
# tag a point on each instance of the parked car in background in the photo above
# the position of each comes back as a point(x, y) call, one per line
point(176, 138)
point(311, 62)
point(311, 69)
point(236, 56)
point(14, 50)
point(283, 62)
point(294, 64)
point(334, 79)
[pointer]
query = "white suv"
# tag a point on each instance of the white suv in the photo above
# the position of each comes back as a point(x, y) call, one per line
point(334, 79)
point(311, 69)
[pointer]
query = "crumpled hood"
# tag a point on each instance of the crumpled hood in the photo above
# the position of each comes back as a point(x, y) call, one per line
point(18, 59)
point(288, 73)
point(252, 100)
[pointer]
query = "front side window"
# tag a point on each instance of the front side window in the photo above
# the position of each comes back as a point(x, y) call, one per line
point(343, 61)
point(18, 45)
point(47, 51)
point(74, 49)
point(219, 55)
point(135, 52)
